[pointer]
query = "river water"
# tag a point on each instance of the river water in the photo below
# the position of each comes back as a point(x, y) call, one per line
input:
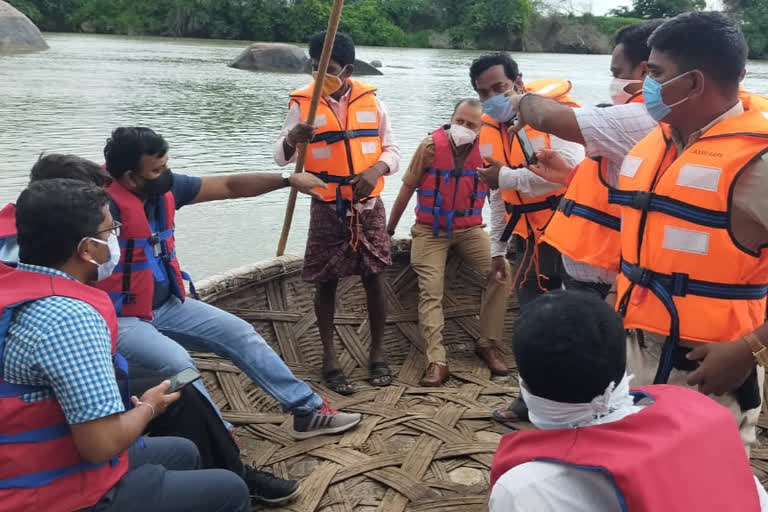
point(221, 120)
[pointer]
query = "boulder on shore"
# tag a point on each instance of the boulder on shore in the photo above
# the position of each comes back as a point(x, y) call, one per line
point(285, 58)
point(17, 32)
point(376, 63)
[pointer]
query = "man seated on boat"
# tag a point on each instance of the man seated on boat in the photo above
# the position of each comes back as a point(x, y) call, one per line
point(521, 202)
point(158, 323)
point(192, 416)
point(47, 167)
point(350, 147)
point(601, 447)
point(449, 214)
point(694, 272)
point(67, 441)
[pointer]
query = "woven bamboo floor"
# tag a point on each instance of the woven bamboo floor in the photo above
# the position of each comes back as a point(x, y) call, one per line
point(417, 449)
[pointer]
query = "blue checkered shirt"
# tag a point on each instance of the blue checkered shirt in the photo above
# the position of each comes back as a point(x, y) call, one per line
point(63, 344)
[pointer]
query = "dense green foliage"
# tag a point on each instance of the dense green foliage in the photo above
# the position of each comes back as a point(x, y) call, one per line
point(498, 24)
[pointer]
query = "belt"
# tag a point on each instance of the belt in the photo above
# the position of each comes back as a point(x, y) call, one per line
point(518, 210)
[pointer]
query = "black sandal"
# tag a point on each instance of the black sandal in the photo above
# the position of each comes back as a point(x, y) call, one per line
point(337, 382)
point(380, 374)
point(516, 411)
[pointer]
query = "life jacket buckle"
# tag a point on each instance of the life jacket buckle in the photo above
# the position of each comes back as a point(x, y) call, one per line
point(129, 298)
point(566, 206)
point(349, 134)
point(640, 276)
point(642, 201)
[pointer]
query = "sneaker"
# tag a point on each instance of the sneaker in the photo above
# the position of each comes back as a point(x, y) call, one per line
point(267, 488)
point(324, 420)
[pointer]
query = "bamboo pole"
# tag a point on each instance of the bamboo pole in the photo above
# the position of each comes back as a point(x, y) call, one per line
point(301, 149)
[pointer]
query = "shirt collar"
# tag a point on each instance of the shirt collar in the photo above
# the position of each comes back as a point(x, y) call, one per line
point(734, 111)
point(44, 270)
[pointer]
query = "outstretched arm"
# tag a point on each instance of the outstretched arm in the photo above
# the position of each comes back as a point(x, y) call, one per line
point(546, 115)
point(217, 188)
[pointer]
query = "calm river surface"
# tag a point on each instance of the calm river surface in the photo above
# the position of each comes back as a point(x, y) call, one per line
point(220, 120)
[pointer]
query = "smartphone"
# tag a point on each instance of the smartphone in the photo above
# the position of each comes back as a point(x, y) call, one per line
point(528, 151)
point(183, 378)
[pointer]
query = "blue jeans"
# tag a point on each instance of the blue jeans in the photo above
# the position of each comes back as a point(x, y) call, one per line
point(165, 476)
point(162, 345)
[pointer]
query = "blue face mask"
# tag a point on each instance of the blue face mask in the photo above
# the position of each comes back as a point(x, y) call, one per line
point(654, 101)
point(499, 108)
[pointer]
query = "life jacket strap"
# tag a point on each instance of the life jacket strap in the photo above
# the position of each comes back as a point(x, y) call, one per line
point(338, 136)
point(518, 210)
point(667, 286)
point(651, 202)
point(570, 207)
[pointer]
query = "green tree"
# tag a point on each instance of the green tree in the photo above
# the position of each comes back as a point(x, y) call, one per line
point(499, 23)
point(653, 9)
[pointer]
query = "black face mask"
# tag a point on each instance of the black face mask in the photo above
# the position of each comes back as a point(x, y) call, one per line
point(158, 186)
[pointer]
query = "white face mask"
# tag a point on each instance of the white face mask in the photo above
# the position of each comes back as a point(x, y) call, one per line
point(105, 269)
point(618, 95)
point(462, 135)
point(613, 404)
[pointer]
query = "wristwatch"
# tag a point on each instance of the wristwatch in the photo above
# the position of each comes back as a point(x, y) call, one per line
point(287, 178)
point(759, 350)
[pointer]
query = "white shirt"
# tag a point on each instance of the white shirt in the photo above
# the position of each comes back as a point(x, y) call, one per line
point(608, 133)
point(550, 487)
point(527, 183)
point(9, 252)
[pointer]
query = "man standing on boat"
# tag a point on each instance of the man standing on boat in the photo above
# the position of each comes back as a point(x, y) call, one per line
point(158, 323)
point(521, 202)
point(351, 148)
point(607, 134)
point(449, 214)
point(694, 270)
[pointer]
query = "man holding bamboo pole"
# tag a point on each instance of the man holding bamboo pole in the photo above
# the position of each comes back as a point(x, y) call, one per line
point(351, 148)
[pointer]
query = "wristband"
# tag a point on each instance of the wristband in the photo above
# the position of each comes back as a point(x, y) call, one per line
point(151, 407)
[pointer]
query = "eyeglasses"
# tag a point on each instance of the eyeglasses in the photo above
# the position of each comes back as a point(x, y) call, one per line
point(114, 230)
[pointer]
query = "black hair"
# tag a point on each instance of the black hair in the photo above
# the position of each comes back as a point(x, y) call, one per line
point(484, 62)
point(71, 167)
point(634, 38)
point(343, 48)
point(569, 345)
point(708, 41)
point(53, 216)
point(472, 102)
point(126, 146)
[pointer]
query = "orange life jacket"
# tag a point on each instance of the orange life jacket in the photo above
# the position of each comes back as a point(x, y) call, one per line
point(526, 215)
point(585, 227)
point(636, 98)
point(676, 239)
point(753, 101)
point(342, 148)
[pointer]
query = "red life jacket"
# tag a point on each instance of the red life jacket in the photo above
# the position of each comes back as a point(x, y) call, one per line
point(40, 467)
point(450, 197)
point(144, 250)
point(7, 222)
point(679, 454)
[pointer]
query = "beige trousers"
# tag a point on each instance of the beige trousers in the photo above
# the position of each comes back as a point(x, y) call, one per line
point(428, 259)
point(643, 360)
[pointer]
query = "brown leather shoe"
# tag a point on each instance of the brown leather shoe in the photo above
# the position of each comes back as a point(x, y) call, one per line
point(435, 375)
point(495, 360)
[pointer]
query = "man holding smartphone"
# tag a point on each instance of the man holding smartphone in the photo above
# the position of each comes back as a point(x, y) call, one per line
point(521, 202)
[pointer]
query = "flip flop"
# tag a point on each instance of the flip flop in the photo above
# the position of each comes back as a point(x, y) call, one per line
point(516, 411)
point(337, 382)
point(380, 374)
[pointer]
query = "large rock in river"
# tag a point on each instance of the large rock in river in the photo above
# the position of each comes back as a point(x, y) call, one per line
point(285, 58)
point(17, 32)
